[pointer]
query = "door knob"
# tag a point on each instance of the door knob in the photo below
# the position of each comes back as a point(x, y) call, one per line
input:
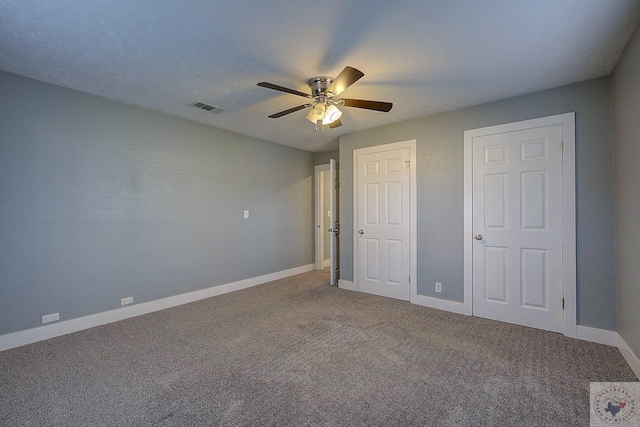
point(479, 237)
point(361, 232)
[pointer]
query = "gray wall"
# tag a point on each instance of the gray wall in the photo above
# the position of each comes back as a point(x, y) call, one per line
point(100, 201)
point(626, 148)
point(440, 190)
point(323, 157)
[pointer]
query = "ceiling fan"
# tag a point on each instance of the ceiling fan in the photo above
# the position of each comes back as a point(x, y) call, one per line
point(324, 107)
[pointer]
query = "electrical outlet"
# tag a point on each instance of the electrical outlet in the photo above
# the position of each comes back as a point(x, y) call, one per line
point(127, 300)
point(438, 287)
point(50, 318)
point(246, 214)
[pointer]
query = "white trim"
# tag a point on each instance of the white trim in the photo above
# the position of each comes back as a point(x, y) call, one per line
point(467, 229)
point(569, 287)
point(334, 221)
point(413, 210)
point(347, 285)
point(600, 336)
point(569, 239)
point(628, 354)
point(53, 330)
point(440, 304)
point(319, 217)
point(326, 263)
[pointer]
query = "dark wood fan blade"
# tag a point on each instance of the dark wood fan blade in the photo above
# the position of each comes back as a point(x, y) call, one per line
point(335, 124)
point(369, 105)
point(289, 111)
point(284, 89)
point(346, 78)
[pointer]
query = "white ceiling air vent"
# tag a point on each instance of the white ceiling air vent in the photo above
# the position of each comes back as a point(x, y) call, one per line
point(207, 107)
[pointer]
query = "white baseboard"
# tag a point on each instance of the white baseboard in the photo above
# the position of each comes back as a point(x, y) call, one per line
point(441, 304)
point(326, 263)
point(628, 354)
point(600, 336)
point(53, 330)
point(347, 284)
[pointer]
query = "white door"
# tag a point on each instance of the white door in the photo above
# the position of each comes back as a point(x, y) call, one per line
point(383, 222)
point(334, 213)
point(517, 227)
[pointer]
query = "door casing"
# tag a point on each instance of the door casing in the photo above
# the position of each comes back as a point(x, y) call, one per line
point(334, 222)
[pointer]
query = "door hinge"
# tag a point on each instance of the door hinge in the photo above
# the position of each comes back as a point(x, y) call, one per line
point(562, 146)
point(337, 184)
point(563, 303)
point(409, 279)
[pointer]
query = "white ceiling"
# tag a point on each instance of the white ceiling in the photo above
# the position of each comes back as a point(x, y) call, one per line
point(425, 56)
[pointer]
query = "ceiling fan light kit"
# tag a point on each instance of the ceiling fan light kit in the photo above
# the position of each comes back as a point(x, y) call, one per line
point(316, 113)
point(325, 113)
point(331, 115)
point(324, 108)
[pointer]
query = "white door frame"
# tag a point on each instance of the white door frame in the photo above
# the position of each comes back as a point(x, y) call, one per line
point(569, 285)
point(334, 222)
point(413, 211)
point(319, 214)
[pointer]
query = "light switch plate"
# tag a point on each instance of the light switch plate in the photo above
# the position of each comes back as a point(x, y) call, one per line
point(246, 214)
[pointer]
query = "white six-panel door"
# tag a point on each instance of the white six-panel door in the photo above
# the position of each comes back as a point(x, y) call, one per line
point(517, 227)
point(383, 223)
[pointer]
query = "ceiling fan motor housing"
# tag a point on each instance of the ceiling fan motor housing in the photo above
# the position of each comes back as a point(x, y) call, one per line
point(319, 85)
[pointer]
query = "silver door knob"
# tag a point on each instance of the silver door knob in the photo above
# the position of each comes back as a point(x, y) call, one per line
point(361, 232)
point(479, 237)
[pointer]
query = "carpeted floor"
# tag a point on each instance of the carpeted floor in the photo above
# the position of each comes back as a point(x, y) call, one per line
point(299, 352)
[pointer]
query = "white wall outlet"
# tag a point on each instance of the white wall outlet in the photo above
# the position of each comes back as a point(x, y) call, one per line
point(50, 318)
point(438, 287)
point(127, 300)
point(246, 214)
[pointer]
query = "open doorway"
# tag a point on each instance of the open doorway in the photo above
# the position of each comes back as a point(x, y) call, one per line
point(323, 236)
point(327, 222)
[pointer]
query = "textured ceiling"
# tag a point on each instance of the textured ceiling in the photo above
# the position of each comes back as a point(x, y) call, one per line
point(425, 56)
